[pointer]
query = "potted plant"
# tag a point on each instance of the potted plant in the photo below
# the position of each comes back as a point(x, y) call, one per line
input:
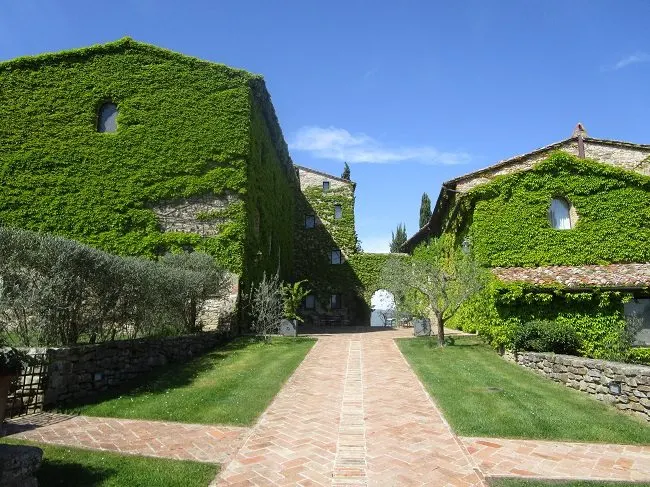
point(292, 295)
point(11, 363)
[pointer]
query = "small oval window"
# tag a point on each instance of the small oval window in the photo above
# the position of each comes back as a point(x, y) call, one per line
point(107, 118)
point(560, 214)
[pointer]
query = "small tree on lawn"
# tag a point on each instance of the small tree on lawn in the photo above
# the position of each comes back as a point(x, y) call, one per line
point(266, 307)
point(437, 279)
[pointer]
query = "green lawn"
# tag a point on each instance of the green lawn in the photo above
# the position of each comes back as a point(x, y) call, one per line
point(74, 467)
point(551, 483)
point(231, 385)
point(481, 394)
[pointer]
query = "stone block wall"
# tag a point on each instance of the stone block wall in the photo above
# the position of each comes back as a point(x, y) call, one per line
point(80, 372)
point(626, 386)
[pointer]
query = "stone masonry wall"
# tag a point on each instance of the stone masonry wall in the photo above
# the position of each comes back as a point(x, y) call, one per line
point(626, 386)
point(625, 156)
point(78, 373)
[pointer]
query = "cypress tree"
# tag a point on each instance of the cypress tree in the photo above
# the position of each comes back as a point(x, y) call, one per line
point(346, 172)
point(425, 210)
point(399, 237)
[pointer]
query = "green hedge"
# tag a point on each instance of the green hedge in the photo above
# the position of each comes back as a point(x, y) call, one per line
point(55, 291)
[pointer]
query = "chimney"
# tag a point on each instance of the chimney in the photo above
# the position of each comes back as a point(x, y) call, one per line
point(579, 130)
point(580, 133)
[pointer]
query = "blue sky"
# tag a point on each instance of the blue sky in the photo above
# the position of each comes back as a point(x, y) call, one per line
point(411, 93)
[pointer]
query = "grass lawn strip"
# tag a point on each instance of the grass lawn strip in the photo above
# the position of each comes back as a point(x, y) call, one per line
point(481, 395)
point(75, 467)
point(231, 385)
point(561, 483)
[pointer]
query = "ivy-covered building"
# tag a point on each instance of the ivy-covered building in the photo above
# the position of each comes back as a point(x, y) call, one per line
point(140, 151)
point(565, 230)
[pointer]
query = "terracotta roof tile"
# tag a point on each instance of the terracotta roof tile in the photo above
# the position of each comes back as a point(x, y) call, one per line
point(612, 275)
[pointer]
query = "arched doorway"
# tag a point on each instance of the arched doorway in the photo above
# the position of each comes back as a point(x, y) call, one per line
point(382, 306)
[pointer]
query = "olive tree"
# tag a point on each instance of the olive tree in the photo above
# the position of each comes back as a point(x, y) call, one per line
point(437, 279)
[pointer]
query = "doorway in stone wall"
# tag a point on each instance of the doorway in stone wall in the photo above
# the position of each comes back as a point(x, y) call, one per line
point(382, 306)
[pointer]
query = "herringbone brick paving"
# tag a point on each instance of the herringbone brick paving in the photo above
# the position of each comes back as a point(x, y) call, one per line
point(353, 414)
point(203, 443)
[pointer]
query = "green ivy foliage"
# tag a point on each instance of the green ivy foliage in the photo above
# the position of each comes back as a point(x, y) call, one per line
point(186, 127)
point(507, 218)
point(508, 225)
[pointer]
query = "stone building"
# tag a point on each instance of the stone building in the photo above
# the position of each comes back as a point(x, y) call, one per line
point(141, 151)
point(563, 224)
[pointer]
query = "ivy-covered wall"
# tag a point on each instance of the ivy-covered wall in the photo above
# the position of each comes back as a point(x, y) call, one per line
point(507, 223)
point(357, 277)
point(186, 128)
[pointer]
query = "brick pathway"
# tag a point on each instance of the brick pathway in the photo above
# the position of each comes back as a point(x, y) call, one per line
point(213, 444)
point(559, 460)
point(353, 414)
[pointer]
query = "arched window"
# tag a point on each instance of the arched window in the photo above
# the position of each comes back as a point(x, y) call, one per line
point(560, 214)
point(107, 118)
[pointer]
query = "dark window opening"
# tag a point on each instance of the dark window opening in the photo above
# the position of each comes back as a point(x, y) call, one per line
point(338, 212)
point(310, 221)
point(107, 118)
point(335, 257)
point(335, 301)
point(326, 185)
point(310, 302)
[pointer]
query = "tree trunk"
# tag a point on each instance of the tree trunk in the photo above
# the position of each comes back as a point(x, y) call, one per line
point(441, 329)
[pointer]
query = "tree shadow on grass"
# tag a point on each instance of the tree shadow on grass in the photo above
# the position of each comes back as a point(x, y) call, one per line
point(171, 376)
point(55, 473)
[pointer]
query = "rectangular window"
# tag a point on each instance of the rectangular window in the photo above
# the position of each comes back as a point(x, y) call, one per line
point(338, 212)
point(637, 314)
point(310, 221)
point(310, 302)
point(335, 301)
point(326, 185)
point(335, 257)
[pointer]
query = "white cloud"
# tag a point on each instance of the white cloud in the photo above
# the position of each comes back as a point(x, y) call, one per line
point(376, 245)
point(636, 58)
point(340, 145)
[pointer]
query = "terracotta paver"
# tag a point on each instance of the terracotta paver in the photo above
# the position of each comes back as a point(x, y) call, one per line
point(353, 414)
point(203, 443)
point(560, 460)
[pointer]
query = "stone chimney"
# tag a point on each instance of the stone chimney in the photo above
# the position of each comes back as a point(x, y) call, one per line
point(579, 130)
point(580, 133)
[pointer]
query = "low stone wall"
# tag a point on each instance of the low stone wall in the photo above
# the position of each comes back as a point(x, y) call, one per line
point(80, 372)
point(626, 386)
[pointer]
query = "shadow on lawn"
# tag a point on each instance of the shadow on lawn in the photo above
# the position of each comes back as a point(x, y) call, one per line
point(169, 376)
point(57, 473)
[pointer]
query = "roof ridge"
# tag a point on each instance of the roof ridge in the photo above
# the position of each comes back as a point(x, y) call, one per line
point(110, 47)
point(322, 173)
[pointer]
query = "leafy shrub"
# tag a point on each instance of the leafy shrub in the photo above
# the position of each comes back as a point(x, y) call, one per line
point(546, 336)
point(639, 356)
point(55, 291)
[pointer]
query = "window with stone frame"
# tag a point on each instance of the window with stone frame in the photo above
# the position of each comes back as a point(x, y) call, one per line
point(338, 212)
point(637, 315)
point(107, 118)
point(310, 221)
point(335, 301)
point(310, 302)
point(336, 257)
point(561, 214)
